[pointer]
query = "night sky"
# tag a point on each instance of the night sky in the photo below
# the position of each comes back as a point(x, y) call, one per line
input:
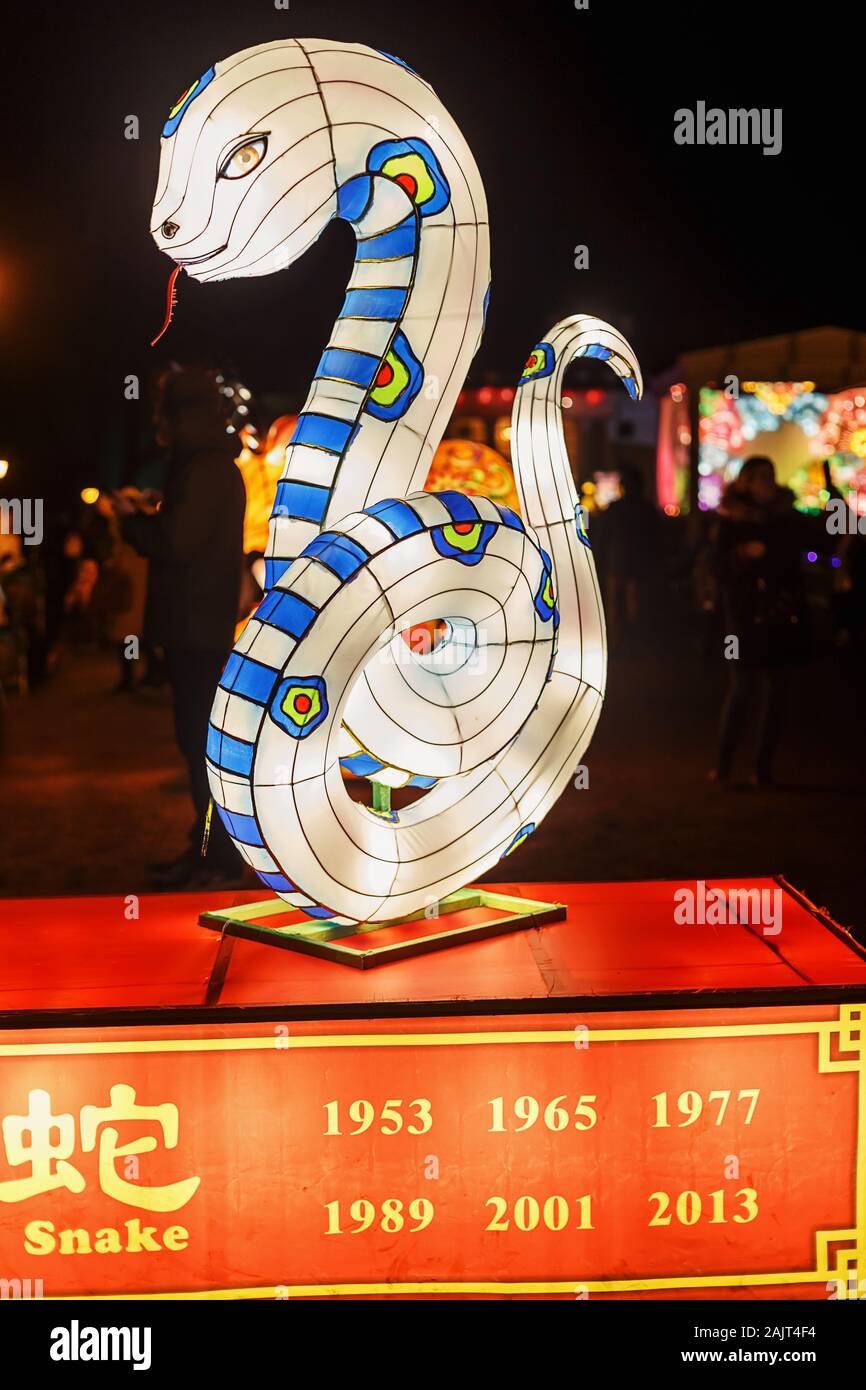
point(570, 116)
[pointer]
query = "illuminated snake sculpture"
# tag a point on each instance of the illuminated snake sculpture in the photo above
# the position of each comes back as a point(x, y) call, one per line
point(258, 156)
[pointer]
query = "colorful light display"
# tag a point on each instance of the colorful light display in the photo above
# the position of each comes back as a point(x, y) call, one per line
point(792, 422)
point(842, 439)
point(672, 458)
point(494, 719)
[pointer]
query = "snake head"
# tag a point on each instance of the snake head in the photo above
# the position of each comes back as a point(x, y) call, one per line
point(246, 174)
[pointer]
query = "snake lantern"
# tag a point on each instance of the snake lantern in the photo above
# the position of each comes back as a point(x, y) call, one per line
point(492, 719)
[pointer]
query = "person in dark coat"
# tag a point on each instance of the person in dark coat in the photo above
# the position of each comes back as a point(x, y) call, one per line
point(195, 547)
point(758, 566)
point(630, 560)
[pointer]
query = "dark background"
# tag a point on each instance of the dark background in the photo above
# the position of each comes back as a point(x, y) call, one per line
point(570, 116)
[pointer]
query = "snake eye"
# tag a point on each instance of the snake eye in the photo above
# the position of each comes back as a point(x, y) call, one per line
point(245, 158)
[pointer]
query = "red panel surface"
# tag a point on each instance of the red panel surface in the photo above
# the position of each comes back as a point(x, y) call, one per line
point(649, 1153)
point(620, 939)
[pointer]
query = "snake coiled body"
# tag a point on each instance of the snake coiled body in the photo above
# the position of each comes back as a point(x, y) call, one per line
point(494, 719)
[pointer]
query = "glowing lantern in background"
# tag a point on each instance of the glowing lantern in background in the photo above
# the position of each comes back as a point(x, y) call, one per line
point(261, 465)
point(461, 465)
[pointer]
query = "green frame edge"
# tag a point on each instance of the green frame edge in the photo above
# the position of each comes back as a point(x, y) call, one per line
point(317, 940)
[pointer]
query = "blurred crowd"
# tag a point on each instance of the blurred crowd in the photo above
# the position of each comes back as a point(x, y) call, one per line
point(71, 592)
point(160, 578)
point(164, 578)
point(768, 587)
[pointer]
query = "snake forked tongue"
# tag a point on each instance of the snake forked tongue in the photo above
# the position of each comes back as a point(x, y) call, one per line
point(170, 302)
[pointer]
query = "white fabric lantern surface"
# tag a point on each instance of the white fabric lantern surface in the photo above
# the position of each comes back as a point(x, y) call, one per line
point(257, 158)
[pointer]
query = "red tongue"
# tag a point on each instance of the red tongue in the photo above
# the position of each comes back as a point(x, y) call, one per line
point(170, 302)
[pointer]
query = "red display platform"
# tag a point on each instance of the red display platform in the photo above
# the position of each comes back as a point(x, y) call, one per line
point(620, 1105)
point(619, 944)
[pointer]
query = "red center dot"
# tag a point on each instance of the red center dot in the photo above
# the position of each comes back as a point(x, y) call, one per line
point(463, 528)
point(303, 704)
point(385, 374)
point(408, 182)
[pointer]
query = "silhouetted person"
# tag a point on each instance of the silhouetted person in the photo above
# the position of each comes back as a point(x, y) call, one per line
point(631, 556)
point(759, 569)
point(195, 547)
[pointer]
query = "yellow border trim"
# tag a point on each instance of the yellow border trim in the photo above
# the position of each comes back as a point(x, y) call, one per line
point(572, 1286)
point(282, 1043)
